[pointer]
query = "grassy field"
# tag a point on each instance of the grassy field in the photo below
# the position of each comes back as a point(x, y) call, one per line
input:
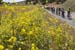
point(69, 4)
point(31, 28)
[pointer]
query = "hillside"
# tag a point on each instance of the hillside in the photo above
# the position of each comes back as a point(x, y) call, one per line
point(69, 4)
point(32, 28)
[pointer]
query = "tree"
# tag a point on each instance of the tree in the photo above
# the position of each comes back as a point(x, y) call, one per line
point(50, 1)
point(61, 1)
point(28, 1)
point(1, 1)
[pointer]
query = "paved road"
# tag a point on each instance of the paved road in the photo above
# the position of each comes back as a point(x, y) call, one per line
point(70, 22)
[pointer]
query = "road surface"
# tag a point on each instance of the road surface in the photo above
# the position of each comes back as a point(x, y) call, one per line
point(69, 22)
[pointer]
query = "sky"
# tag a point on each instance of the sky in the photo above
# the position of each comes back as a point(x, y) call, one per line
point(12, 1)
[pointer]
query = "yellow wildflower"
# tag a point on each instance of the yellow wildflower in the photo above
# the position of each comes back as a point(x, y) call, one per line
point(19, 49)
point(30, 33)
point(1, 47)
point(23, 31)
point(6, 49)
point(10, 46)
point(59, 29)
point(12, 39)
point(33, 44)
point(22, 43)
point(69, 49)
point(34, 47)
point(37, 48)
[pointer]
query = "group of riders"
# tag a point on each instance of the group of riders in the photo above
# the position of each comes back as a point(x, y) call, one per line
point(61, 12)
point(58, 11)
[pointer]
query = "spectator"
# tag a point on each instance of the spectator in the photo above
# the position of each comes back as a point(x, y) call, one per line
point(43, 2)
point(35, 2)
point(63, 13)
point(53, 9)
point(69, 14)
point(28, 1)
point(59, 11)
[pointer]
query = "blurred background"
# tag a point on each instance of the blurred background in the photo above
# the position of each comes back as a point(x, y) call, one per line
point(12, 1)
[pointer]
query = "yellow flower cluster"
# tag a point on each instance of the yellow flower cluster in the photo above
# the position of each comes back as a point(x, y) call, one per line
point(12, 39)
point(1, 47)
point(19, 49)
point(34, 47)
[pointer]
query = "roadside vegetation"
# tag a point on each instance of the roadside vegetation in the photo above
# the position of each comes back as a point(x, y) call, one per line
point(31, 28)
